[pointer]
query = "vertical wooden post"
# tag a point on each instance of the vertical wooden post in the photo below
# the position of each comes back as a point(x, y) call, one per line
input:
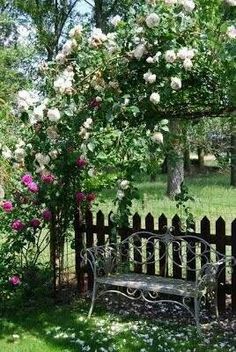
point(138, 244)
point(206, 235)
point(89, 243)
point(220, 247)
point(233, 234)
point(191, 259)
point(78, 247)
point(100, 229)
point(162, 226)
point(149, 222)
point(177, 270)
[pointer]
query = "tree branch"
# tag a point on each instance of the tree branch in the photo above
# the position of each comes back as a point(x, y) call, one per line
point(89, 3)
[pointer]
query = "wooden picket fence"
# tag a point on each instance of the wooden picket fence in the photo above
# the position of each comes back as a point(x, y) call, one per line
point(97, 231)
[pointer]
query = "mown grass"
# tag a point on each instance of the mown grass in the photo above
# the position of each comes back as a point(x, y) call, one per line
point(213, 195)
point(67, 329)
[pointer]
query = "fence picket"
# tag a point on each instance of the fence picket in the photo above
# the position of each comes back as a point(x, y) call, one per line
point(191, 258)
point(100, 229)
point(137, 243)
point(220, 246)
point(219, 239)
point(89, 243)
point(162, 226)
point(78, 247)
point(149, 224)
point(233, 283)
point(177, 271)
point(206, 235)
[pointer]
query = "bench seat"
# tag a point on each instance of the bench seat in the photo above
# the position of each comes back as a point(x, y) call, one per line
point(151, 283)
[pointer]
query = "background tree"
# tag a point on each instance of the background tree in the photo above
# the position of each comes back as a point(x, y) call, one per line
point(49, 18)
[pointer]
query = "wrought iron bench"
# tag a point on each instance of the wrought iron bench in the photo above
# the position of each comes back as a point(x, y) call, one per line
point(121, 268)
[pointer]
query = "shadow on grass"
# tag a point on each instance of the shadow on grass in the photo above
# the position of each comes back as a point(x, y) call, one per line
point(61, 329)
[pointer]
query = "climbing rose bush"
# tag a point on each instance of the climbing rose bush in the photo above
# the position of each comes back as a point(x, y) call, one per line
point(102, 108)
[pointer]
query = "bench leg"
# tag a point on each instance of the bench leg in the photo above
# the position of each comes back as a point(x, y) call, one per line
point(216, 305)
point(196, 313)
point(93, 300)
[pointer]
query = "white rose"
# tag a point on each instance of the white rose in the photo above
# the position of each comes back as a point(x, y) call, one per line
point(42, 159)
point(124, 184)
point(38, 112)
point(188, 5)
point(6, 153)
point(149, 77)
point(185, 53)
point(115, 20)
point(69, 46)
point(53, 115)
point(53, 154)
point(176, 83)
point(231, 32)
point(23, 105)
point(188, 64)
point(2, 192)
point(19, 154)
point(52, 132)
point(88, 123)
point(155, 98)
point(97, 37)
point(76, 31)
point(152, 20)
point(150, 60)
point(120, 194)
point(170, 2)
point(157, 137)
point(170, 56)
point(61, 58)
point(139, 51)
point(231, 2)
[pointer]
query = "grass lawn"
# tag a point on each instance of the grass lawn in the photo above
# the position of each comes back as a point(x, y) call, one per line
point(67, 329)
point(213, 198)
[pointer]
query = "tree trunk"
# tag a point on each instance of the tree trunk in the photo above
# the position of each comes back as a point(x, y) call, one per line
point(201, 154)
point(233, 152)
point(175, 160)
point(100, 21)
point(187, 161)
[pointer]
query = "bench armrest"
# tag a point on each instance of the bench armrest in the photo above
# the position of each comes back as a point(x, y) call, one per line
point(103, 260)
point(209, 274)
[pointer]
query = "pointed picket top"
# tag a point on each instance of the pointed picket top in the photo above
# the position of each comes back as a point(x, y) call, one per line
point(136, 222)
point(89, 217)
point(233, 227)
point(220, 227)
point(205, 221)
point(176, 223)
point(149, 222)
point(220, 220)
point(162, 223)
point(100, 216)
point(110, 222)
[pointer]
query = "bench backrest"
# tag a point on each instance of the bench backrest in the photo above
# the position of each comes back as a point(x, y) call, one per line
point(145, 249)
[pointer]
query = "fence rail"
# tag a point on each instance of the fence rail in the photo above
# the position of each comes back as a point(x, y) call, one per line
point(95, 231)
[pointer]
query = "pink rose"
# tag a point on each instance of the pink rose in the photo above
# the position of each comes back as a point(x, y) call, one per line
point(15, 280)
point(26, 179)
point(17, 225)
point(47, 215)
point(33, 187)
point(80, 197)
point(91, 197)
point(81, 163)
point(95, 104)
point(35, 223)
point(7, 206)
point(48, 178)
